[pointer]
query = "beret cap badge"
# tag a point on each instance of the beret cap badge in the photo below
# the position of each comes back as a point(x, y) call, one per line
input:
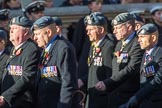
point(95, 18)
point(21, 21)
point(38, 5)
point(147, 29)
point(6, 13)
point(13, 20)
point(115, 22)
point(89, 21)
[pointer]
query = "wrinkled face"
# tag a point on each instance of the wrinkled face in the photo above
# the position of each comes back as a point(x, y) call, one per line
point(93, 32)
point(17, 34)
point(41, 37)
point(145, 41)
point(36, 15)
point(95, 6)
point(120, 31)
point(158, 16)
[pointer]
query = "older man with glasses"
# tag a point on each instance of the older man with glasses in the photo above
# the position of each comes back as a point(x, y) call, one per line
point(124, 81)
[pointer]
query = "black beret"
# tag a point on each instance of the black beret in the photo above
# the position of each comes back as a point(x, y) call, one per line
point(155, 8)
point(122, 18)
point(138, 18)
point(21, 21)
point(147, 29)
point(95, 18)
point(57, 20)
point(42, 22)
point(35, 6)
point(4, 14)
point(3, 35)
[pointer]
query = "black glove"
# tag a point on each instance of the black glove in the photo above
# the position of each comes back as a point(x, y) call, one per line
point(132, 103)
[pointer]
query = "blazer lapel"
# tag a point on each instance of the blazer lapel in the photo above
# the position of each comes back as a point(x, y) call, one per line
point(142, 63)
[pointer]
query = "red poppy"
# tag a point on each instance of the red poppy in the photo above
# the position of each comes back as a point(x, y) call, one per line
point(98, 49)
point(18, 52)
point(47, 55)
point(117, 53)
point(40, 66)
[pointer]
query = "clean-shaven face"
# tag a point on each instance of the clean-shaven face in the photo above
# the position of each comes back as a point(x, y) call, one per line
point(145, 41)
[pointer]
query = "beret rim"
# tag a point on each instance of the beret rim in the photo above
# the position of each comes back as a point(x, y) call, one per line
point(95, 18)
point(147, 29)
point(122, 18)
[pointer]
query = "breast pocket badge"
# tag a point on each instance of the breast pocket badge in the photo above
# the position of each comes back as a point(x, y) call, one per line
point(149, 71)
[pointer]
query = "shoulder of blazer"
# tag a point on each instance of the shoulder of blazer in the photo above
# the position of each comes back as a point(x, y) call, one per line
point(134, 42)
point(112, 38)
point(157, 53)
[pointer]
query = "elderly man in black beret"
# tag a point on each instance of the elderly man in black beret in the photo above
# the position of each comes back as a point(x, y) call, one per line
point(81, 41)
point(21, 68)
point(124, 81)
point(99, 60)
point(57, 76)
point(150, 93)
point(35, 10)
point(4, 53)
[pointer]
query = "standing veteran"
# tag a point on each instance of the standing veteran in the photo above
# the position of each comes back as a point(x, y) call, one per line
point(56, 80)
point(99, 60)
point(4, 53)
point(21, 68)
point(35, 10)
point(150, 93)
point(125, 79)
point(81, 41)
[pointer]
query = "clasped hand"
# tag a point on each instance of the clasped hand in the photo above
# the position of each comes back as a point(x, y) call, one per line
point(100, 86)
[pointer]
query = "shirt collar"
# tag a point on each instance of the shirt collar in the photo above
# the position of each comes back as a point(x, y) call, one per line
point(98, 43)
point(150, 51)
point(129, 38)
point(17, 47)
point(1, 52)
